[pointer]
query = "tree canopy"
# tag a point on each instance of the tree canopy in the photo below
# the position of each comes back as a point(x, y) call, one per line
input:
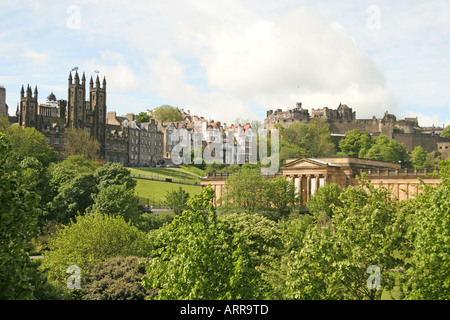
point(18, 225)
point(80, 142)
point(166, 113)
point(314, 138)
point(142, 117)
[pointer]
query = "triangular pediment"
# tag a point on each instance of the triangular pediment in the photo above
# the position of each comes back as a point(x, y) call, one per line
point(305, 163)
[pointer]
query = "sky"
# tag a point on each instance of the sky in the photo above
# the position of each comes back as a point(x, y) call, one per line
point(232, 59)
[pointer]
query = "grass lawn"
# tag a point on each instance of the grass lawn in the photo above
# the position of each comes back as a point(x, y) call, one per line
point(182, 174)
point(153, 190)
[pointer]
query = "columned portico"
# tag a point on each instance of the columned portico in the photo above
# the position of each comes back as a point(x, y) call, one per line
point(308, 175)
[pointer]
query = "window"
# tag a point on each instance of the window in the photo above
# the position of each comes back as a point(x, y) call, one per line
point(56, 141)
point(57, 129)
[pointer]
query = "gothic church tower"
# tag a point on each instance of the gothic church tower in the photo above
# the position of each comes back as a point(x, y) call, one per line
point(97, 102)
point(76, 109)
point(28, 107)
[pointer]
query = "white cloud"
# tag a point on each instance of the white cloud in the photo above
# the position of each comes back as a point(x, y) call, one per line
point(264, 62)
point(119, 76)
point(37, 57)
point(226, 59)
point(168, 81)
point(428, 120)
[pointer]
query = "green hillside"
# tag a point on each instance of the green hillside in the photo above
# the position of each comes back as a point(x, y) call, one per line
point(155, 190)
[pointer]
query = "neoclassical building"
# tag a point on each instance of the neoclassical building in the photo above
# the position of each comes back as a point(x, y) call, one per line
point(309, 174)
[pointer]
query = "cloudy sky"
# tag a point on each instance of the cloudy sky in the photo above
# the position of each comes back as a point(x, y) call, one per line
point(236, 59)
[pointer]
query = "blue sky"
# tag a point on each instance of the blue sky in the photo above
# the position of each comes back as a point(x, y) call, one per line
point(236, 59)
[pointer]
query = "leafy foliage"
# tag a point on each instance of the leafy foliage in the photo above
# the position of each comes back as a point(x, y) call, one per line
point(446, 132)
point(74, 197)
point(281, 195)
point(325, 200)
point(117, 278)
point(91, 239)
point(166, 113)
point(245, 190)
point(429, 273)
point(336, 253)
point(114, 173)
point(142, 117)
point(29, 142)
point(19, 217)
point(115, 200)
point(421, 159)
point(314, 138)
point(176, 200)
point(356, 143)
point(204, 258)
point(386, 150)
point(80, 142)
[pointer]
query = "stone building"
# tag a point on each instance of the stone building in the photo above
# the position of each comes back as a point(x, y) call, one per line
point(310, 174)
point(54, 117)
point(121, 139)
point(3, 105)
point(131, 142)
point(286, 118)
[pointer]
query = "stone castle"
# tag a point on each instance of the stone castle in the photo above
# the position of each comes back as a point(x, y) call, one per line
point(343, 119)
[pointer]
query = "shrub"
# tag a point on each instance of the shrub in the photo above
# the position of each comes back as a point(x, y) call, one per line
point(91, 239)
point(116, 278)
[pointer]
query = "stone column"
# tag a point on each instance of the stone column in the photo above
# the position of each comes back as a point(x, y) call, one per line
point(308, 187)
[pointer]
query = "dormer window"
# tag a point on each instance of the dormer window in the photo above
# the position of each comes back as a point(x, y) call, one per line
point(57, 129)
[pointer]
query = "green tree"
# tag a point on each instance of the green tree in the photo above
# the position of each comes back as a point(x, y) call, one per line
point(289, 150)
point(115, 200)
point(29, 142)
point(421, 159)
point(387, 150)
point(354, 142)
point(74, 197)
point(18, 225)
point(281, 195)
point(245, 190)
point(446, 132)
point(35, 177)
point(315, 138)
point(80, 142)
point(429, 272)
point(114, 173)
point(142, 117)
point(4, 123)
point(166, 113)
point(325, 200)
point(176, 200)
point(90, 239)
point(204, 258)
point(337, 252)
point(66, 170)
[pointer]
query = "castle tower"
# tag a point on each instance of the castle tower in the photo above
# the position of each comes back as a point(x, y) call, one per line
point(97, 101)
point(76, 111)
